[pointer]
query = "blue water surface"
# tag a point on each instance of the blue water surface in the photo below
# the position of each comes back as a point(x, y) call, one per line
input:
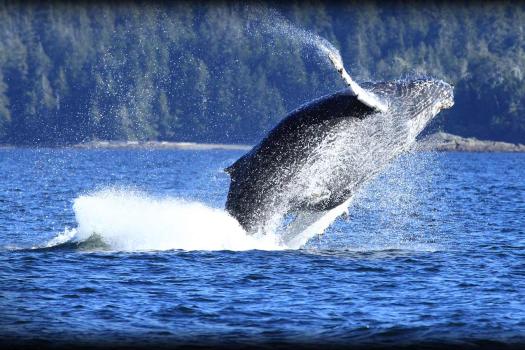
point(432, 251)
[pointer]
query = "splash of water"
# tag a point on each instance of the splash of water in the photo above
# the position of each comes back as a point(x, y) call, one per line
point(354, 150)
point(274, 23)
point(388, 213)
point(130, 221)
point(127, 220)
point(343, 158)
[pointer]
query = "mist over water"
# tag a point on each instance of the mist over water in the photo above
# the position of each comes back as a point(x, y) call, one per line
point(271, 22)
point(383, 214)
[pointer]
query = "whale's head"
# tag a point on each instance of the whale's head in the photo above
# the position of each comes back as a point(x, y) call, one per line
point(418, 101)
point(424, 95)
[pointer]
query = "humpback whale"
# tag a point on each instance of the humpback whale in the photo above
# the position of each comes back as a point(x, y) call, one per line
point(306, 170)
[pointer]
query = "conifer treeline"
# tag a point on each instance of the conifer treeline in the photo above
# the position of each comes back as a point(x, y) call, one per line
point(73, 72)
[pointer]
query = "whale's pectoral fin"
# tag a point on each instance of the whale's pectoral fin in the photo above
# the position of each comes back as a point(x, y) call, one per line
point(367, 98)
point(304, 226)
point(372, 101)
point(307, 224)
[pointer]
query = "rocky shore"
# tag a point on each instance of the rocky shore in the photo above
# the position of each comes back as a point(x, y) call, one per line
point(440, 141)
point(161, 145)
point(444, 142)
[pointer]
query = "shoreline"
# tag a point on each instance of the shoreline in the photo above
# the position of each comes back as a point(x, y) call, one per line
point(438, 142)
point(190, 146)
point(168, 145)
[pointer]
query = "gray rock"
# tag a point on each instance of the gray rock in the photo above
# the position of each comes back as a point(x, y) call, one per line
point(444, 142)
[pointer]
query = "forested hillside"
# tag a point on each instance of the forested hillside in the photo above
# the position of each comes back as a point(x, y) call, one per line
point(208, 72)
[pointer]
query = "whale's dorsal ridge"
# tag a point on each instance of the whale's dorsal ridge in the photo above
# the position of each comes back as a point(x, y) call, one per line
point(233, 169)
point(230, 170)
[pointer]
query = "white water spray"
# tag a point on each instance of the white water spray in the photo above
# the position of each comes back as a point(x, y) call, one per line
point(127, 220)
point(131, 221)
point(275, 23)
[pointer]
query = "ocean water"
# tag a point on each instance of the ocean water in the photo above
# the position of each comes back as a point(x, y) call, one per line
point(132, 247)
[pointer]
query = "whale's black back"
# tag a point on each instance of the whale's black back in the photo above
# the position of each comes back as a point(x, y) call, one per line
point(317, 157)
point(263, 171)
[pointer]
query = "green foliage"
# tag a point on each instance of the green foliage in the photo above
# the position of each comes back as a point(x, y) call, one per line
point(72, 72)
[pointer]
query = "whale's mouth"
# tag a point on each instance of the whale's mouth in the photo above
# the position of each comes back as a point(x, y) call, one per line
point(448, 102)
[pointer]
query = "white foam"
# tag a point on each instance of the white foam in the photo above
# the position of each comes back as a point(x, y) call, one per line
point(128, 220)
